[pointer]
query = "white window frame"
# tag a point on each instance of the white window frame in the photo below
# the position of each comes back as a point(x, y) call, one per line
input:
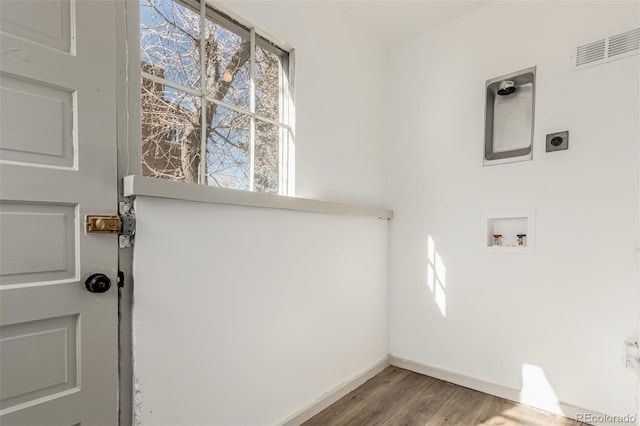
point(286, 171)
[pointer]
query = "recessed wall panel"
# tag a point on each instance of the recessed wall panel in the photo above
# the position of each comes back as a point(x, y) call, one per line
point(37, 122)
point(39, 359)
point(43, 22)
point(509, 116)
point(38, 242)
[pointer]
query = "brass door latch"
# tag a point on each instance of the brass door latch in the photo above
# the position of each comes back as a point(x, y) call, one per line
point(101, 224)
point(123, 225)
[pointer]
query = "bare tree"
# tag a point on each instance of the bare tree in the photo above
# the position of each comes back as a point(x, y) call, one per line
point(172, 119)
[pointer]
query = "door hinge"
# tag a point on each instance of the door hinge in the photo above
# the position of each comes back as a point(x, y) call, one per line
point(123, 224)
point(128, 219)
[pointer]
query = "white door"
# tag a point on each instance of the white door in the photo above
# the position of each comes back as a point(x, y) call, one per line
point(58, 344)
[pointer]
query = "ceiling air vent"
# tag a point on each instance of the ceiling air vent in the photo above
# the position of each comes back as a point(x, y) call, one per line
point(591, 52)
point(623, 43)
point(607, 49)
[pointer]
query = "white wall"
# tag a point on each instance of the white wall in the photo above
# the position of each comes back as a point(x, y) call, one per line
point(243, 316)
point(339, 98)
point(255, 344)
point(567, 308)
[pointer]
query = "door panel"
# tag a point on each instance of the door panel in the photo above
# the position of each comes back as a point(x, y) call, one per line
point(45, 22)
point(58, 342)
point(38, 242)
point(29, 373)
point(49, 140)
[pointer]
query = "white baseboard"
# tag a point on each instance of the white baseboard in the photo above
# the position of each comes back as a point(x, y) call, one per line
point(335, 394)
point(562, 409)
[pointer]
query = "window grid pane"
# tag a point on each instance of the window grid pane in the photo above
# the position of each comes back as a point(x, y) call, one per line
point(242, 130)
point(268, 70)
point(227, 148)
point(169, 34)
point(227, 66)
point(170, 132)
point(267, 164)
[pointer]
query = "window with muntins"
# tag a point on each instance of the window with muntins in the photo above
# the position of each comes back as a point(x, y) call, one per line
point(215, 99)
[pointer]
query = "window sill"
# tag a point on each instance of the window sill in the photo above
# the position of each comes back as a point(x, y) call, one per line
point(159, 188)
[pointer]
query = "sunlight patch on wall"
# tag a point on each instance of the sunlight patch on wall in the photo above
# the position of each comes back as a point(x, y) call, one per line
point(537, 391)
point(436, 276)
point(431, 250)
point(430, 277)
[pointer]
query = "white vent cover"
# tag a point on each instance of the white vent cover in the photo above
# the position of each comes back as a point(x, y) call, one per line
point(606, 49)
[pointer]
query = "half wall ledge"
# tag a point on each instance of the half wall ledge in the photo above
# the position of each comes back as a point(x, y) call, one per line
point(135, 185)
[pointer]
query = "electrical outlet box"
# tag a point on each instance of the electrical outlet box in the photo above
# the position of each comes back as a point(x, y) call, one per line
point(557, 141)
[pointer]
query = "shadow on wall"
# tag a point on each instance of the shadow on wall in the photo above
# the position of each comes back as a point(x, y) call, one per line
point(436, 276)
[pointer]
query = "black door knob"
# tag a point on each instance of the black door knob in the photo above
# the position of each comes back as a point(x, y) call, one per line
point(98, 283)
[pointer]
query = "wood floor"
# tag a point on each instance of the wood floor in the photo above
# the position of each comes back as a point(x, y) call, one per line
point(402, 397)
